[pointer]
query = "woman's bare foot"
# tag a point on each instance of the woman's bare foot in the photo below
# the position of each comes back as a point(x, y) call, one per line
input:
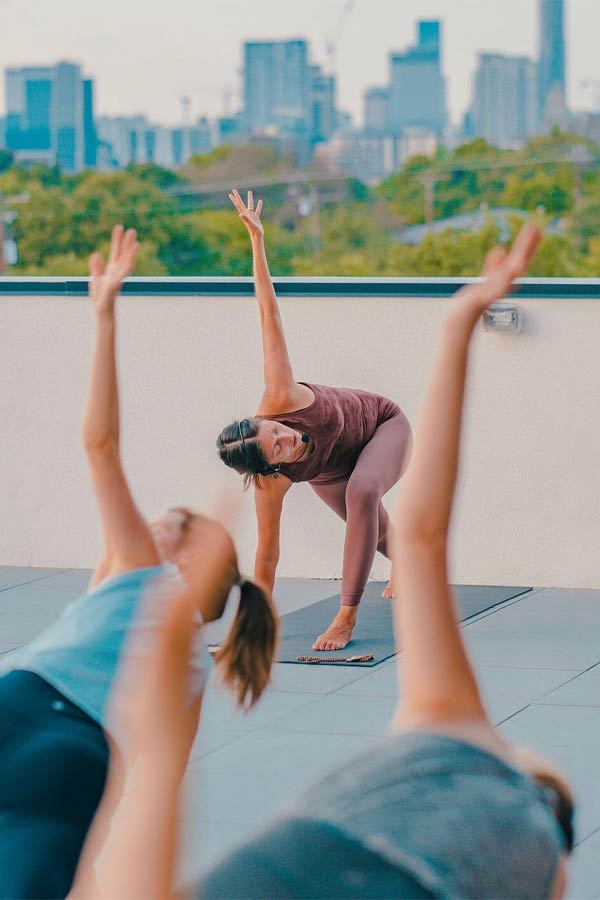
point(339, 632)
point(388, 592)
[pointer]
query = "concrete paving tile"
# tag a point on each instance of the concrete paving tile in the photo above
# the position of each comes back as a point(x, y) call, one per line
point(272, 753)
point(584, 874)
point(568, 735)
point(550, 629)
point(584, 690)
point(12, 576)
point(27, 609)
point(220, 711)
point(381, 682)
point(210, 739)
point(240, 798)
point(314, 679)
point(341, 714)
point(507, 690)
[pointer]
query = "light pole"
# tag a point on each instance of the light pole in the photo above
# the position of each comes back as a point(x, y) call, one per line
point(4, 217)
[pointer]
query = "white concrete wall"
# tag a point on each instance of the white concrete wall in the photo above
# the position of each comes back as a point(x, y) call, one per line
point(528, 510)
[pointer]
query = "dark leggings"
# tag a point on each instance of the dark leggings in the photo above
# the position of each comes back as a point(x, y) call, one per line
point(357, 500)
point(54, 760)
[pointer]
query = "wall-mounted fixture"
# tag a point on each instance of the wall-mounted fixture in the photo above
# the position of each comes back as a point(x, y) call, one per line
point(502, 317)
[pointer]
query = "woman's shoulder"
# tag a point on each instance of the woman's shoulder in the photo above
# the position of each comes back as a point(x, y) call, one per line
point(131, 577)
point(297, 400)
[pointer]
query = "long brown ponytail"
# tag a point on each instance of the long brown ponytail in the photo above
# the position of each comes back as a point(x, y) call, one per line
point(246, 655)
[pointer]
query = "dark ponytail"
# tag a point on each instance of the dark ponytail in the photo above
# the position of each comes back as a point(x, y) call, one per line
point(246, 655)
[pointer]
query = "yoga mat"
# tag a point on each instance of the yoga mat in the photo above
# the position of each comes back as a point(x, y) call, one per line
point(373, 632)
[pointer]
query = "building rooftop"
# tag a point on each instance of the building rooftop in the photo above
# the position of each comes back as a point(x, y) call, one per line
point(537, 657)
point(527, 509)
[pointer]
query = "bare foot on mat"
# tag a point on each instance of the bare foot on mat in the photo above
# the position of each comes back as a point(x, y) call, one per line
point(339, 632)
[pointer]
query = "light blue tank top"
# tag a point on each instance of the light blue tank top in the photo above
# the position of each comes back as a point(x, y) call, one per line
point(81, 652)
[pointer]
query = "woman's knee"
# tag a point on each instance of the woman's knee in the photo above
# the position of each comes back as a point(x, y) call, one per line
point(363, 494)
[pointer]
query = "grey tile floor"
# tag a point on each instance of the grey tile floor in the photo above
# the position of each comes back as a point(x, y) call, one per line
point(538, 659)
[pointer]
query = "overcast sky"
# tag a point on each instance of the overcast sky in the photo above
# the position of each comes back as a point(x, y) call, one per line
point(144, 55)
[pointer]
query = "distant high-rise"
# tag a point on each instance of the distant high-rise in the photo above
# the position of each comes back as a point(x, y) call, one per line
point(376, 103)
point(505, 108)
point(552, 83)
point(429, 32)
point(48, 111)
point(322, 105)
point(417, 92)
point(277, 89)
point(90, 138)
point(201, 136)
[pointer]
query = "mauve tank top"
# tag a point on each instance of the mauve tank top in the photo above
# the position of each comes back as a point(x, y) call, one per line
point(340, 422)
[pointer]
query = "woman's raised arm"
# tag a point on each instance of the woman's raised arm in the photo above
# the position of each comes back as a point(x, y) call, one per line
point(280, 384)
point(438, 681)
point(128, 540)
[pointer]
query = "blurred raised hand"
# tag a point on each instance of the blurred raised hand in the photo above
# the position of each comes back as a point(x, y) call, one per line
point(248, 214)
point(500, 270)
point(106, 279)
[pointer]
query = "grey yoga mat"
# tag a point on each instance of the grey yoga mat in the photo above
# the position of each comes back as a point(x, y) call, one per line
point(373, 633)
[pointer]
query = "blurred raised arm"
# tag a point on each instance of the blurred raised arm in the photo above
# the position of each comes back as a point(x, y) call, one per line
point(438, 682)
point(127, 538)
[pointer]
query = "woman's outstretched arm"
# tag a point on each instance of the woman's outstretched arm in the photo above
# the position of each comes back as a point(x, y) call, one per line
point(278, 375)
point(128, 541)
point(439, 684)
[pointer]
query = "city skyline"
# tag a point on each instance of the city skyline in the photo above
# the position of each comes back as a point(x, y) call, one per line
point(156, 90)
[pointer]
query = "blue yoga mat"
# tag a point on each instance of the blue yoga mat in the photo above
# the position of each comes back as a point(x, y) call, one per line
point(373, 632)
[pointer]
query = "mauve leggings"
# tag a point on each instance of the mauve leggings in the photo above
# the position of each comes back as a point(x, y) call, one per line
point(357, 500)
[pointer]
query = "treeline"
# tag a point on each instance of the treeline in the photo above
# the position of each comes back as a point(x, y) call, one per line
point(61, 219)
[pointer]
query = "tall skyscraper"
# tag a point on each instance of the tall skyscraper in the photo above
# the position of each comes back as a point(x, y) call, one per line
point(417, 93)
point(47, 110)
point(90, 138)
point(322, 105)
point(505, 107)
point(552, 83)
point(277, 89)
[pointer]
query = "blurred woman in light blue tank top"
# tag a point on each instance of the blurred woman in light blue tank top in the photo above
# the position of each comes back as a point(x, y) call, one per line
point(56, 721)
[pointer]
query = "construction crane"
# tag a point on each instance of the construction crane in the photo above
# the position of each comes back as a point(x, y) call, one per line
point(332, 41)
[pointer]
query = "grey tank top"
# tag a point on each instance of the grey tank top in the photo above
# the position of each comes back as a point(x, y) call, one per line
point(461, 821)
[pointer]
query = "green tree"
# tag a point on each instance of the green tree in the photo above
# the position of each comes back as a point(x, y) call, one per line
point(6, 159)
point(585, 225)
point(404, 190)
point(530, 190)
point(450, 253)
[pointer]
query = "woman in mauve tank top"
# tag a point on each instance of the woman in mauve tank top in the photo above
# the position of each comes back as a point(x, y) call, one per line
point(350, 445)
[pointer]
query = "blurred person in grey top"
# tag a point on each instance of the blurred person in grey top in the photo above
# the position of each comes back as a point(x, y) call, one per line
point(443, 806)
